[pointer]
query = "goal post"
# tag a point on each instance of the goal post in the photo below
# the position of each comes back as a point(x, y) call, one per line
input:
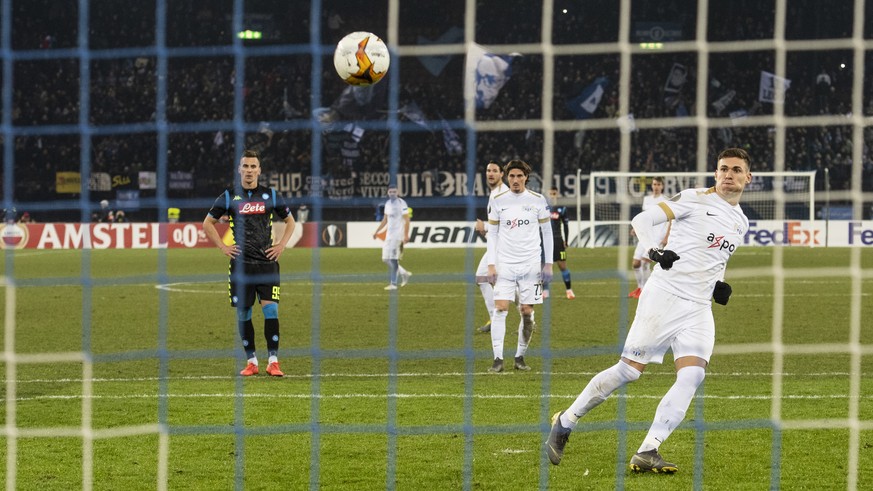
point(613, 198)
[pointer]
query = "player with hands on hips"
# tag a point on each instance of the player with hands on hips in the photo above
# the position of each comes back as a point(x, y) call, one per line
point(675, 308)
point(254, 266)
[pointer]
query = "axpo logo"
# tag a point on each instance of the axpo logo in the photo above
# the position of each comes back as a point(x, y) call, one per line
point(517, 222)
point(719, 242)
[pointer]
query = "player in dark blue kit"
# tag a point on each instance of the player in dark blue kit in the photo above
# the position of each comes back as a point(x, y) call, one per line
point(560, 233)
point(254, 267)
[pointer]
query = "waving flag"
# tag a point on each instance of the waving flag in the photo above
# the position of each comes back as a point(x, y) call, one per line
point(767, 87)
point(584, 105)
point(436, 64)
point(485, 75)
point(451, 139)
point(414, 114)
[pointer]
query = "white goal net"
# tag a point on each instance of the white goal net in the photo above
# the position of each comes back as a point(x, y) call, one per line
point(613, 198)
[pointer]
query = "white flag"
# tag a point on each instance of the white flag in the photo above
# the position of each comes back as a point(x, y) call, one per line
point(485, 74)
point(767, 87)
point(722, 102)
point(676, 79)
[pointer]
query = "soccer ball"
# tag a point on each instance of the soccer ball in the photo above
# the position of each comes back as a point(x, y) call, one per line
point(361, 58)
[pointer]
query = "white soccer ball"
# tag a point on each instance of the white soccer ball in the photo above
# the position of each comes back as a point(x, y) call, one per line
point(361, 58)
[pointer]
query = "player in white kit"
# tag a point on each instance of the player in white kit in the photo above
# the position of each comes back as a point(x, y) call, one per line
point(494, 179)
point(395, 220)
point(675, 309)
point(641, 261)
point(516, 219)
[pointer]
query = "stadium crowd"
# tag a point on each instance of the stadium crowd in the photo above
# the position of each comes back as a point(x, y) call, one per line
point(279, 99)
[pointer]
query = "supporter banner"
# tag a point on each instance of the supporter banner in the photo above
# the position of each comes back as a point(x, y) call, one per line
point(100, 181)
point(181, 180)
point(414, 184)
point(767, 87)
point(136, 235)
point(148, 180)
point(68, 182)
point(676, 79)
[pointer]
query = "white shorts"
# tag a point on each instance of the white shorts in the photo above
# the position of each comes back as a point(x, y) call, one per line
point(525, 278)
point(391, 250)
point(664, 321)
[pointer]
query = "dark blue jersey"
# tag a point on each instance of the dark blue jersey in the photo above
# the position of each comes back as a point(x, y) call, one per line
point(560, 224)
point(251, 214)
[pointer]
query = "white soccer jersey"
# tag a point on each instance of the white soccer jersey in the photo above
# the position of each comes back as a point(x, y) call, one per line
point(482, 270)
point(395, 211)
point(650, 201)
point(501, 188)
point(517, 219)
point(705, 233)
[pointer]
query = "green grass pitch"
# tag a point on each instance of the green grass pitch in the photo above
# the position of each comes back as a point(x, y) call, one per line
point(390, 390)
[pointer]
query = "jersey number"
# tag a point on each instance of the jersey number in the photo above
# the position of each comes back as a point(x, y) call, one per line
point(275, 293)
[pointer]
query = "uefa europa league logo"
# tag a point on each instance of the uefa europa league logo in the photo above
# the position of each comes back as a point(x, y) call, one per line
point(332, 235)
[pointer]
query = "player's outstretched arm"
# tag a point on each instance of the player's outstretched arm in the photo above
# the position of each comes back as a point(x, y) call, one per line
point(644, 224)
point(664, 257)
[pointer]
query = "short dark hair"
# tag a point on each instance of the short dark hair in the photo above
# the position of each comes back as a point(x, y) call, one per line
point(518, 164)
point(251, 154)
point(659, 179)
point(495, 163)
point(738, 153)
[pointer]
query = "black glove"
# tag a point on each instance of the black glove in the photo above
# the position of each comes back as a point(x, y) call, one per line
point(722, 292)
point(665, 258)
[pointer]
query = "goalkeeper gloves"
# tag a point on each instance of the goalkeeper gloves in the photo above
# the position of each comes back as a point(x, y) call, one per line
point(722, 292)
point(665, 258)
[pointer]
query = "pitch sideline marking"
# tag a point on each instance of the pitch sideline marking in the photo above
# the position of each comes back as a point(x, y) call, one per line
point(363, 395)
point(413, 375)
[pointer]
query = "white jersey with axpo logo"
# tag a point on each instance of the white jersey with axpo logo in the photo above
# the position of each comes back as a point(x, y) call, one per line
point(705, 233)
point(518, 218)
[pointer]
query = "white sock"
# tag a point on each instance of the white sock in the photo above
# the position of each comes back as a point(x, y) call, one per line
point(498, 332)
point(521, 347)
point(273, 359)
point(647, 271)
point(674, 404)
point(638, 274)
point(488, 296)
point(598, 389)
point(253, 361)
